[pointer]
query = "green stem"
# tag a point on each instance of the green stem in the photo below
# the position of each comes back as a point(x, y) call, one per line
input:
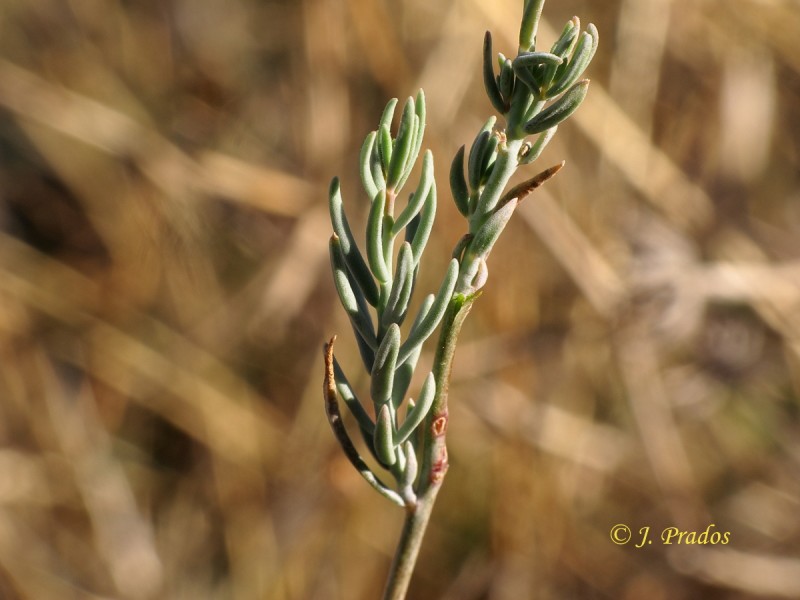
point(434, 453)
point(408, 547)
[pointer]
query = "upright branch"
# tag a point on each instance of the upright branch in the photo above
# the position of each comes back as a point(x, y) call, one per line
point(533, 93)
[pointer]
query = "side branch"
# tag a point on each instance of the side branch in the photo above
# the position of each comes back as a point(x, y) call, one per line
point(335, 420)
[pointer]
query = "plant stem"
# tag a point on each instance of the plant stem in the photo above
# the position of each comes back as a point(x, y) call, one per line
point(408, 546)
point(434, 453)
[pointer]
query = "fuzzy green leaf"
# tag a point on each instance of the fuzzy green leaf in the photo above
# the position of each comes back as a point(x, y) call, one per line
point(487, 160)
point(584, 52)
point(531, 67)
point(384, 147)
point(488, 77)
point(527, 60)
point(366, 352)
point(375, 255)
point(490, 230)
point(388, 114)
point(422, 330)
point(351, 400)
point(566, 41)
point(458, 184)
point(404, 372)
point(417, 414)
point(397, 304)
point(383, 442)
point(402, 145)
point(355, 261)
point(424, 226)
point(420, 195)
point(421, 112)
point(384, 367)
point(559, 110)
point(411, 468)
point(505, 81)
point(351, 298)
point(365, 162)
point(476, 154)
point(538, 146)
point(419, 134)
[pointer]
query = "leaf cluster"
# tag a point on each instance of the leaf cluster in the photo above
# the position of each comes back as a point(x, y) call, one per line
point(375, 285)
point(533, 93)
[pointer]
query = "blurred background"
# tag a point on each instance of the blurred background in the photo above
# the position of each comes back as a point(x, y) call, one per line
point(165, 293)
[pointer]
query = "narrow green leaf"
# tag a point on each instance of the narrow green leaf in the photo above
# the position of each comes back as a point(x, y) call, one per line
point(412, 156)
point(365, 161)
point(375, 256)
point(558, 110)
point(351, 400)
point(538, 146)
point(411, 228)
point(488, 77)
point(403, 375)
point(533, 110)
point(387, 238)
point(404, 372)
point(397, 304)
point(355, 261)
point(388, 114)
point(421, 112)
point(475, 158)
point(402, 146)
point(472, 204)
point(592, 30)
point(423, 229)
point(584, 52)
point(505, 81)
point(458, 184)
point(339, 430)
point(481, 146)
point(424, 309)
point(384, 367)
point(376, 168)
point(366, 353)
point(411, 468)
point(384, 147)
point(417, 414)
point(566, 41)
point(531, 67)
point(489, 155)
point(419, 134)
point(416, 202)
point(423, 313)
point(532, 83)
point(399, 466)
point(421, 331)
point(383, 442)
point(528, 60)
point(351, 298)
point(491, 229)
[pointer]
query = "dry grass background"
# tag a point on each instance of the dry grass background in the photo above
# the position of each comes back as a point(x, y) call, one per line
point(164, 294)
